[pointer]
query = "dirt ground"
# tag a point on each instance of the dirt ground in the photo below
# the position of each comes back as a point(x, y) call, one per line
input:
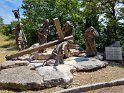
point(113, 71)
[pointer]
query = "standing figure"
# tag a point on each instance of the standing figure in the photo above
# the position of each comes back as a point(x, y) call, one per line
point(20, 37)
point(90, 34)
point(68, 29)
point(42, 33)
point(19, 34)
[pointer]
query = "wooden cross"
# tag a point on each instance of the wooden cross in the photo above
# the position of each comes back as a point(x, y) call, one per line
point(60, 34)
point(58, 28)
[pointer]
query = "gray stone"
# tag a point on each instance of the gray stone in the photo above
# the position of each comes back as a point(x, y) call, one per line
point(89, 87)
point(74, 52)
point(118, 82)
point(35, 45)
point(115, 44)
point(100, 57)
point(85, 63)
point(20, 78)
point(12, 64)
point(24, 57)
point(56, 75)
point(41, 56)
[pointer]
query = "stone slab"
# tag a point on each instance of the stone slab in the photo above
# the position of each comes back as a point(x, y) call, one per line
point(74, 52)
point(56, 75)
point(12, 64)
point(20, 78)
point(85, 63)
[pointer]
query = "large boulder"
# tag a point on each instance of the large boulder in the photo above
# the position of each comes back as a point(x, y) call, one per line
point(21, 78)
point(56, 75)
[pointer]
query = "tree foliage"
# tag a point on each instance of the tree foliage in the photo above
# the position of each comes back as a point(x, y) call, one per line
point(105, 15)
point(36, 11)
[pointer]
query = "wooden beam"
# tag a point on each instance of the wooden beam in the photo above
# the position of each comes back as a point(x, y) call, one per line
point(58, 28)
point(29, 51)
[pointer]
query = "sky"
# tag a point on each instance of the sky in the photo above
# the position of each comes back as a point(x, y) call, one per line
point(6, 7)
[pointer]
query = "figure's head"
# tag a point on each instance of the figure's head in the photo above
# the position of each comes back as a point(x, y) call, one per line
point(68, 23)
point(16, 13)
point(46, 22)
point(91, 32)
point(94, 31)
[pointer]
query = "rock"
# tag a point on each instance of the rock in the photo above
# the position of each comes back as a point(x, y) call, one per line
point(74, 52)
point(12, 64)
point(24, 57)
point(56, 75)
point(100, 57)
point(21, 78)
point(85, 63)
point(35, 45)
point(41, 56)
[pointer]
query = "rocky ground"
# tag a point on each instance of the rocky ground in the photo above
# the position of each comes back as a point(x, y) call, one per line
point(111, 72)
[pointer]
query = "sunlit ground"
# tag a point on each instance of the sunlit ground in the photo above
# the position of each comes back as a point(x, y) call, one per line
point(7, 46)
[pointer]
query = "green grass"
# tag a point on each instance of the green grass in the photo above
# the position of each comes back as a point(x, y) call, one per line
point(7, 46)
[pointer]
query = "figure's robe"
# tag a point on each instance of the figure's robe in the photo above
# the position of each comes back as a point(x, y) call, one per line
point(90, 34)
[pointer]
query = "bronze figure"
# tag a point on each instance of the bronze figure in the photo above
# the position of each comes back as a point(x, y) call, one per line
point(90, 34)
point(68, 29)
point(42, 33)
point(20, 37)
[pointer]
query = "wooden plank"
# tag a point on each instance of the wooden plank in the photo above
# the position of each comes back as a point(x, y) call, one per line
point(29, 51)
point(58, 28)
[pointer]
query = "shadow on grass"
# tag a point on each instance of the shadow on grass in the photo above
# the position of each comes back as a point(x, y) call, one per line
point(10, 38)
point(5, 46)
point(9, 47)
point(116, 63)
point(12, 48)
point(9, 90)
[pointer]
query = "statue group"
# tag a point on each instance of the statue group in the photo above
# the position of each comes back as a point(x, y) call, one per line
point(58, 52)
point(44, 30)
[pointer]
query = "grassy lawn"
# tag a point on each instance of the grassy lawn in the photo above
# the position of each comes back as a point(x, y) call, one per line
point(7, 46)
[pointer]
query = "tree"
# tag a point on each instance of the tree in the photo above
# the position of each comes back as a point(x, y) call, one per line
point(82, 13)
point(112, 14)
point(1, 20)
point(1, 25)
point(36, 11)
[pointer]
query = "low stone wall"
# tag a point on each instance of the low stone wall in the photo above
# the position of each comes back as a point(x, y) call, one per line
point(89, 87)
